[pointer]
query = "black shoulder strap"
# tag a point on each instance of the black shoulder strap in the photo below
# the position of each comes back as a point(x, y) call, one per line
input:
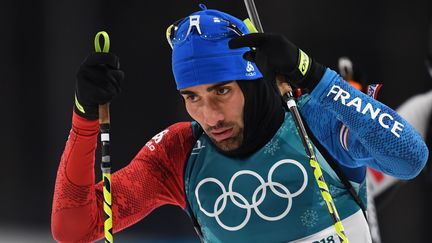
point(335, 166)
point(197, 131)
point(197, 227)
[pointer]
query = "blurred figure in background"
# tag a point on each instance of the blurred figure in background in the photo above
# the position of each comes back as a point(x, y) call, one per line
point(417, 110)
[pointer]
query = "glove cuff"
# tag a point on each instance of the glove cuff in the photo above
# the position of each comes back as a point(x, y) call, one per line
point(304, 64)
point(313, 77)
point(308, 72)
point(88, 112)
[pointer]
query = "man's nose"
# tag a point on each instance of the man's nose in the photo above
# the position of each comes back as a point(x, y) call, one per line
point(213, 114)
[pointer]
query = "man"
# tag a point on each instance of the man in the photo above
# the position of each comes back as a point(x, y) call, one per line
point(239, 169)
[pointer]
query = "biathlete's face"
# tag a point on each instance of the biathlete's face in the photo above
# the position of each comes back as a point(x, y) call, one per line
point(218, 108)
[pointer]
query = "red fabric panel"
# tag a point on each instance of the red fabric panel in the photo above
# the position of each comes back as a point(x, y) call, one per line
point(152, 179)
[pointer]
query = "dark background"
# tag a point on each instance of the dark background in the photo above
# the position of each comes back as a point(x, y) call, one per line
point(42, 44)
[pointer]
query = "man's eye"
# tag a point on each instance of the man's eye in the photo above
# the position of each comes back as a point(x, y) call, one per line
point(192, 98)
point(223, 90)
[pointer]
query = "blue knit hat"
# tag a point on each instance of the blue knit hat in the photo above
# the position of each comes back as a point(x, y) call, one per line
point(200, 50)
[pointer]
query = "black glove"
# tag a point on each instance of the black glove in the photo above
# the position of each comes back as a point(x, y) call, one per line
point(275, 54)
point(98, 81)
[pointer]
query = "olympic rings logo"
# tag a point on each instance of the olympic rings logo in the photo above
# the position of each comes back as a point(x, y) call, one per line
point(221, 200)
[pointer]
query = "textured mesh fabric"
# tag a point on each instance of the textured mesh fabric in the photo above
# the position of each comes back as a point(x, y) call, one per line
point(369, 143)
point(153, 178)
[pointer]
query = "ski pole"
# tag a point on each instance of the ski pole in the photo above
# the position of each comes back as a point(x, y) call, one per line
point(307, 144)
point(104, 125)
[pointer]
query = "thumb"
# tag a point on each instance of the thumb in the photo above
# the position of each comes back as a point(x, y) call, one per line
point(249, 40)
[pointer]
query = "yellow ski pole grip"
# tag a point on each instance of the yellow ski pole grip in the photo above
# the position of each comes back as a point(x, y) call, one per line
point(106, 45)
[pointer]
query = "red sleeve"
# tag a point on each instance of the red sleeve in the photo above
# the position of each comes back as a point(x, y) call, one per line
point(153, 178)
